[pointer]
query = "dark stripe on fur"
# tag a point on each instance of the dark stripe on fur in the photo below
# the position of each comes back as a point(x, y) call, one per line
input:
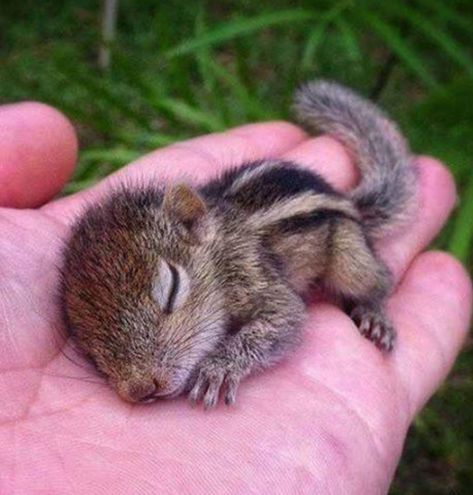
point(281, 181)
point(216, 189)
point(301, 223)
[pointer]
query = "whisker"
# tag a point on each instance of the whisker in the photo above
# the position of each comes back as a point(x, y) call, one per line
point(191, 343)
point(73, 361)
point(190, 332)
point(78, 378)
point(193, 337)
point(210, 315)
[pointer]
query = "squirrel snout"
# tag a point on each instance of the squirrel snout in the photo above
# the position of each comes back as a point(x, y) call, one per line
point(145, 391)
point(139, 392)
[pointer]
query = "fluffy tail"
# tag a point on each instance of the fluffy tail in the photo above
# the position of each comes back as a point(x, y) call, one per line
point(385, 195)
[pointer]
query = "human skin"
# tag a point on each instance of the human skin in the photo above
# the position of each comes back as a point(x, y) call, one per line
point(331, 419)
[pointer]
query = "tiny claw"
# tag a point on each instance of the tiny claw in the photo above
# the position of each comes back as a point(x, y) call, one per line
point(230, 394)
point(387, 341)
point(230, 397)
point(376, 332)
point(375, 327)
point(197, 391)
point(217, 377)
point(365, 326)
point(211, 396)
point(210, 401)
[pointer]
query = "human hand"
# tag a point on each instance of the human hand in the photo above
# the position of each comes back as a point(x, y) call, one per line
point(331, 419)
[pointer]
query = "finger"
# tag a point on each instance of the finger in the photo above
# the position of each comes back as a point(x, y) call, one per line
point(437, 197)
point(327, 157)
point(195, 160)
point(431, 312)
point(38, 149)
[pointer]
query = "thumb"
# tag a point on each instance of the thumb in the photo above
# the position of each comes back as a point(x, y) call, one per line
point(38, 150)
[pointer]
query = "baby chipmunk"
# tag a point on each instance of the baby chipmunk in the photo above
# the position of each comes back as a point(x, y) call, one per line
point(179, 289)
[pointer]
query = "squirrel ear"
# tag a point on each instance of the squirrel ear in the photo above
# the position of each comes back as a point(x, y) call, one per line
point(185, 205)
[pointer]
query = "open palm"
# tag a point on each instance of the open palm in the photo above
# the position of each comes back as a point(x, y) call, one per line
point(331, 419)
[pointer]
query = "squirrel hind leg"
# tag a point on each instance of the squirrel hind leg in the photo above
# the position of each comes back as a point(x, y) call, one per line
point(363, 282)
point(374, 325)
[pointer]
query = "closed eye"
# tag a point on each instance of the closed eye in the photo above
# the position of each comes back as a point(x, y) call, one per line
point(174, 289)
point(171, 287)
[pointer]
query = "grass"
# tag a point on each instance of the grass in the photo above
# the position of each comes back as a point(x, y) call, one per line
point(180, 69)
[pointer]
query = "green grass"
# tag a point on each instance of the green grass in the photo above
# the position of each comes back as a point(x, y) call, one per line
point(180, 69)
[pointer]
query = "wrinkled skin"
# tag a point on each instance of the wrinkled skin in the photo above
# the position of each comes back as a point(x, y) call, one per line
point(331, 419)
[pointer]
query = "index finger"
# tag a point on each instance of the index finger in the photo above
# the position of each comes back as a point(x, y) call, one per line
point(194, 160)
point(431, 311)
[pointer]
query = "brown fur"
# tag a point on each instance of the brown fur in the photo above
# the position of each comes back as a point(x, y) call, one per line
point(192, 290)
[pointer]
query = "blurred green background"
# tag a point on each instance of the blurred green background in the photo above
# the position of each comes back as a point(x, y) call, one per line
point(183, 68)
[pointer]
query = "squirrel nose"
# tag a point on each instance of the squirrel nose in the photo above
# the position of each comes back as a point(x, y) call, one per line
point(145, 391)
point(141, 392)
point(151, 391)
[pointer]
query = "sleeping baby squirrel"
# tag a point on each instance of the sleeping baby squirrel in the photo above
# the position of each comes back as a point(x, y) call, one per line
point(180, 289)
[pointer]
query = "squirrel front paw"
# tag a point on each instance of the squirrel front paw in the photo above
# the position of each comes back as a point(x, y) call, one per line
point(374, 325)
point(216, 374)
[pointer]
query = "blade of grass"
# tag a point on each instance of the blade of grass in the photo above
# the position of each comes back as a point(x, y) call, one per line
point(76, 186)
point(318, 32)
point(438, 36)
point(350, 40)
point(99, 90)
point(149, 88)
point(114, 156)
point(189, 114)
point(241, 96)
point(177, 109)
point(85, 169)
point(461, 240)
point(202, 54)
point(243, 26)
point(204, 60)
point(402, 48)
point(313, 44)
point(449, 15)
point(150, 141)
point(124, 65)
